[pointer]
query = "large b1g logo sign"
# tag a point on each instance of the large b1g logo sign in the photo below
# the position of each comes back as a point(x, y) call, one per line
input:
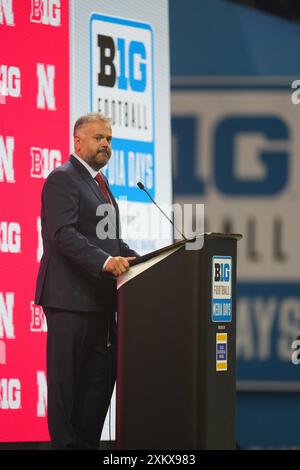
point(122, 75)
point(250, 154)
point(131, 70)
point(121, 80)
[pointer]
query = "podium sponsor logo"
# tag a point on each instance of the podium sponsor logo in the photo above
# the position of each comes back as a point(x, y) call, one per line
point(10, 394)
point(46, 12)
point(221, 352)
point(221, 289)
point(6, 12)
point(121, 79)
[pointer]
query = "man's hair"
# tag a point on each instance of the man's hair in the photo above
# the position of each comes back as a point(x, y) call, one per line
point(90, 117)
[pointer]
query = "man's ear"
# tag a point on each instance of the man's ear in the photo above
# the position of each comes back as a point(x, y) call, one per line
point(76, 141)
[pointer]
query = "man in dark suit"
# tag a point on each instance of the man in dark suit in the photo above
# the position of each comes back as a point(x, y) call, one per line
point(76, 286)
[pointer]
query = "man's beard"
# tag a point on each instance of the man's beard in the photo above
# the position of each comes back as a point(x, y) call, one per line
point(95, 163)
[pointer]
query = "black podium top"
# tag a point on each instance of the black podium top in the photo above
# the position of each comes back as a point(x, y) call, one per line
point(207, 235)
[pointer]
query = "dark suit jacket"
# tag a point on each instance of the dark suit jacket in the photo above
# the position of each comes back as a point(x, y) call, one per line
point(70, 275)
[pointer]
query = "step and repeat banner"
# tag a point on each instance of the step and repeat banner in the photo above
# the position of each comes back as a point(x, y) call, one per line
point(58, 60)
point(34, 139)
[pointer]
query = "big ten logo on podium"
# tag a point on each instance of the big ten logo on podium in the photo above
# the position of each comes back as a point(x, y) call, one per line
point(222, 272)
point(43, 161)
point(47, 12)
point(221, 288)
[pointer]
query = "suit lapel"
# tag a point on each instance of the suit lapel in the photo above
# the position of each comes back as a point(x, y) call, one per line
point(109, 191)
point(87, 178)
point(93, 185)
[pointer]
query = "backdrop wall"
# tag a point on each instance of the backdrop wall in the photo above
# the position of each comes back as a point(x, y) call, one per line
point(236, 149)
point(54, 67)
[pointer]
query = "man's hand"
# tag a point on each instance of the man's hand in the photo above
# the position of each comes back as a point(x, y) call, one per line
point(118, 265)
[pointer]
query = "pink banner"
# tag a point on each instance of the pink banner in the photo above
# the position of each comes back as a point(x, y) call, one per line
point(34, 139)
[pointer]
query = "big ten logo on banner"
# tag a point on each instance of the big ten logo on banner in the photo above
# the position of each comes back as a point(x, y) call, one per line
point(46, 12)
point(10, 81)
point(34, 82)
point(237, 152)
point(122, 88)
point(43, 161)
point(10, 237)
point(10, 393)
point(221, 289)
point(38, 321)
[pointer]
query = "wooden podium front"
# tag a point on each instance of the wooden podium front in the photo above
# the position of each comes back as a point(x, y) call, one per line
point(176, 349)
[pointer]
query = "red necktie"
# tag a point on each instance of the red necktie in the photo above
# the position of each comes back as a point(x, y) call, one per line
point(102, 185)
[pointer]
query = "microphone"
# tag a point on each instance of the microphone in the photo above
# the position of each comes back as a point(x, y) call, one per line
point(142, 187)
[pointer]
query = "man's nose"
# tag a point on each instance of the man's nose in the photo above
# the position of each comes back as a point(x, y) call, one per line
point(104, 142)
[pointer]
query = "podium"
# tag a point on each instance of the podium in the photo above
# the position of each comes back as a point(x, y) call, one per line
point(176, 369)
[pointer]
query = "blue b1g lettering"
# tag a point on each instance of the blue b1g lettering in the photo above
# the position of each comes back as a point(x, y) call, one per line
point(222, 272)
point(221, 296)
point(132, 56)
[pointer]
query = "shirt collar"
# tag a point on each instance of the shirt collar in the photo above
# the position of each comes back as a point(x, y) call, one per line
point(91, 170)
